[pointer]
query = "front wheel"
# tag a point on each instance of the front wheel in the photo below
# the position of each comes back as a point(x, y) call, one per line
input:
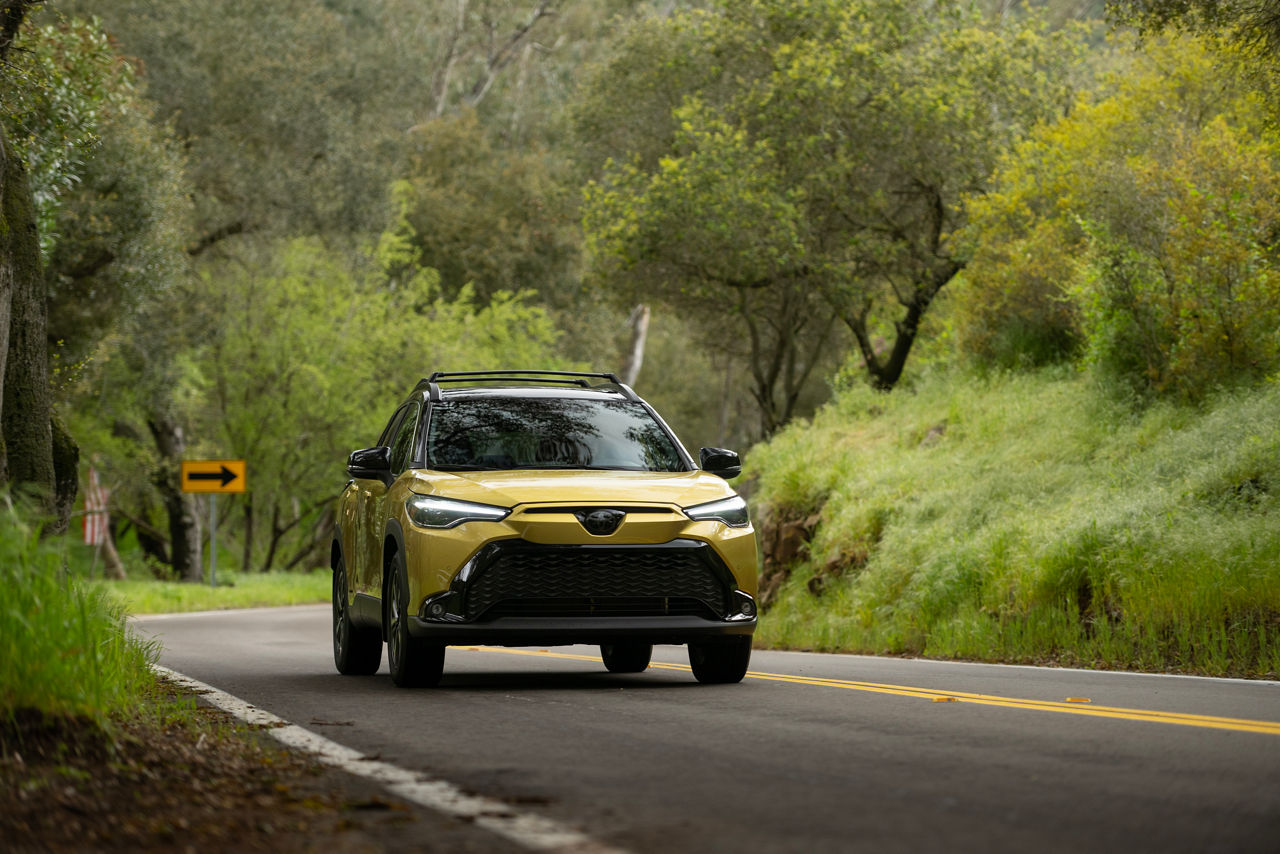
point(357, 650)
point(626, 657)
point(414, 663)
point(720, 662)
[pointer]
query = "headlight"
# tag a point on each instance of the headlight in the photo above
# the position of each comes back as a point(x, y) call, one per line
point(429, 511)
point(731, 511)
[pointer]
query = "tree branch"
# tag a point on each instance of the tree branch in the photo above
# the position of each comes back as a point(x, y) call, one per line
point(501, 58)
point(91, 265)
point(216, 236)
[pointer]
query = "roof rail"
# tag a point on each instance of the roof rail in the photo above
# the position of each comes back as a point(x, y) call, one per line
point(574, 378)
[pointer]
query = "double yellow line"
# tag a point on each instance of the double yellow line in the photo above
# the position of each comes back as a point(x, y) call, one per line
point(1073, 706)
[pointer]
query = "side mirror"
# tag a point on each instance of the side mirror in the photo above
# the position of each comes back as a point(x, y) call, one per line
point(720, 461)
point(370, 463)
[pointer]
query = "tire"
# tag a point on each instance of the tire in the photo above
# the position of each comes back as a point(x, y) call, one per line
point(414, 663)
point(357, 650)
point(626, 657)
point(721, 662)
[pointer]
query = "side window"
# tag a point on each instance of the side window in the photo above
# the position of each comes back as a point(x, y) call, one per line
point(389, 431)
point(402, 448)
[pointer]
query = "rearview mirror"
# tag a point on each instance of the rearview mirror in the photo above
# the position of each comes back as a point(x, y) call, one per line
point(720, 461)
point(370, 463)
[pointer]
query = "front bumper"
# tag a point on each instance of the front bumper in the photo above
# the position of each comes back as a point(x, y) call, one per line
point(518, 593)
point(550, 631)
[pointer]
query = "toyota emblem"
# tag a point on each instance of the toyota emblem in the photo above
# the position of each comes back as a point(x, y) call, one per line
point(602, 523)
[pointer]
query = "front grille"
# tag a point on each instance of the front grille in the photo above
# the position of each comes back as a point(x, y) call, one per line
point(516, 577)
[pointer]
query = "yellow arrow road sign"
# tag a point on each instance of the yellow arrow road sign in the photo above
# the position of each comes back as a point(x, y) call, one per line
point(214, 476)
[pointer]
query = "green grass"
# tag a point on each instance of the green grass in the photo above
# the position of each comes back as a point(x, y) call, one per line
point(65, 651)
point(1032, 517)
point(234, 590)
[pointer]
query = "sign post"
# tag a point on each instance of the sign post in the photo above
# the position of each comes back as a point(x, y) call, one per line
point(213, 477)
point(213, 539)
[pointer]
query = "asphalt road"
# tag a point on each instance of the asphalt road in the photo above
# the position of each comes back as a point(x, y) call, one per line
point(810, 753)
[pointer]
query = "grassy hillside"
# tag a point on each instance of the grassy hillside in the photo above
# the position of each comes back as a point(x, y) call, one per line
point(1031, 518)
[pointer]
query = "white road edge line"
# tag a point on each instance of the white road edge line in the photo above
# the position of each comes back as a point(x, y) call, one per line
point(530, 831)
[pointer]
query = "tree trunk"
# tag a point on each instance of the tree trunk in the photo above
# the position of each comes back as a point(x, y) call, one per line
point(317, 547)
point(28, 400)
point(639, 324)
point(726, 400)
point(112, 566)
point(18, 230)
point(246, 562)
point(276, 534)
point(66, 473)
point(184, 522)
point(885, 375)
point(6, 285)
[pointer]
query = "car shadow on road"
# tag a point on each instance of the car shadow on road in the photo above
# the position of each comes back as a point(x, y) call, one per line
point(499, 681)
point(508, 680)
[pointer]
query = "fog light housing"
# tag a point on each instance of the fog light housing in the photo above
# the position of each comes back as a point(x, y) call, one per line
point(443, 607)
point(744, 607)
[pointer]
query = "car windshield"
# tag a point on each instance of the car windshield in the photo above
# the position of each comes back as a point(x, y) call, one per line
point(552, 433)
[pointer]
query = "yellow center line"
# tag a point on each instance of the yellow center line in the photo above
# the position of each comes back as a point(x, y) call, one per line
point(1066, 708)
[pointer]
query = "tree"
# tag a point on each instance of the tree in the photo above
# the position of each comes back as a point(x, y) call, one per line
point(1252, 23)
point(713, 225)
point(119, 233)
point(484, 214)
point(109, 208)
point(1154, 203)
point(297, 114)
point(816, 149)
point(290, 362)
point(50, 125)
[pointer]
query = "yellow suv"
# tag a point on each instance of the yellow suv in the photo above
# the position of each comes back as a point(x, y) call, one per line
point(524, 508)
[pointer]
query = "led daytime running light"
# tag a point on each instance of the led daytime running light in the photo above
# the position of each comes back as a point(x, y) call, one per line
point(732, 511)
point(429, 511)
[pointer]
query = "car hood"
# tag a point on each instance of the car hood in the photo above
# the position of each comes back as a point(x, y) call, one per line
point(525, 486)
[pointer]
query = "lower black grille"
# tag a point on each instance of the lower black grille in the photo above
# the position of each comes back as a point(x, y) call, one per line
point(516, 578)
point(620, 606)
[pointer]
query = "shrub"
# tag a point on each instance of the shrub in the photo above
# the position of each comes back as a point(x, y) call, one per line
point(1142, 226)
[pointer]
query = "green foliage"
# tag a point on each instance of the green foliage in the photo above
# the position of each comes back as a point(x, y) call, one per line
point(297, 114)
point(289, 121)
point(292, 364)
point(120, 231)
point(813, 151)
point(1254, 25)
point(1141, 226)
point(64, 648)
point(112, 206)
point(479, 213)
point(62, 85)
point(1027, 517)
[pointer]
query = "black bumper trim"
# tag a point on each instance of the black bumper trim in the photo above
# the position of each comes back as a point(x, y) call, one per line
point(533, 631)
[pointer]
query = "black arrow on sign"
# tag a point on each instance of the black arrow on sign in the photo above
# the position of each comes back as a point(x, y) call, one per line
point(226, 475)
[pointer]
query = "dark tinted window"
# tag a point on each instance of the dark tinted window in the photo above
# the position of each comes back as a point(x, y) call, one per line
point(404, 441)
point(389, 432)
point(501, 433)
